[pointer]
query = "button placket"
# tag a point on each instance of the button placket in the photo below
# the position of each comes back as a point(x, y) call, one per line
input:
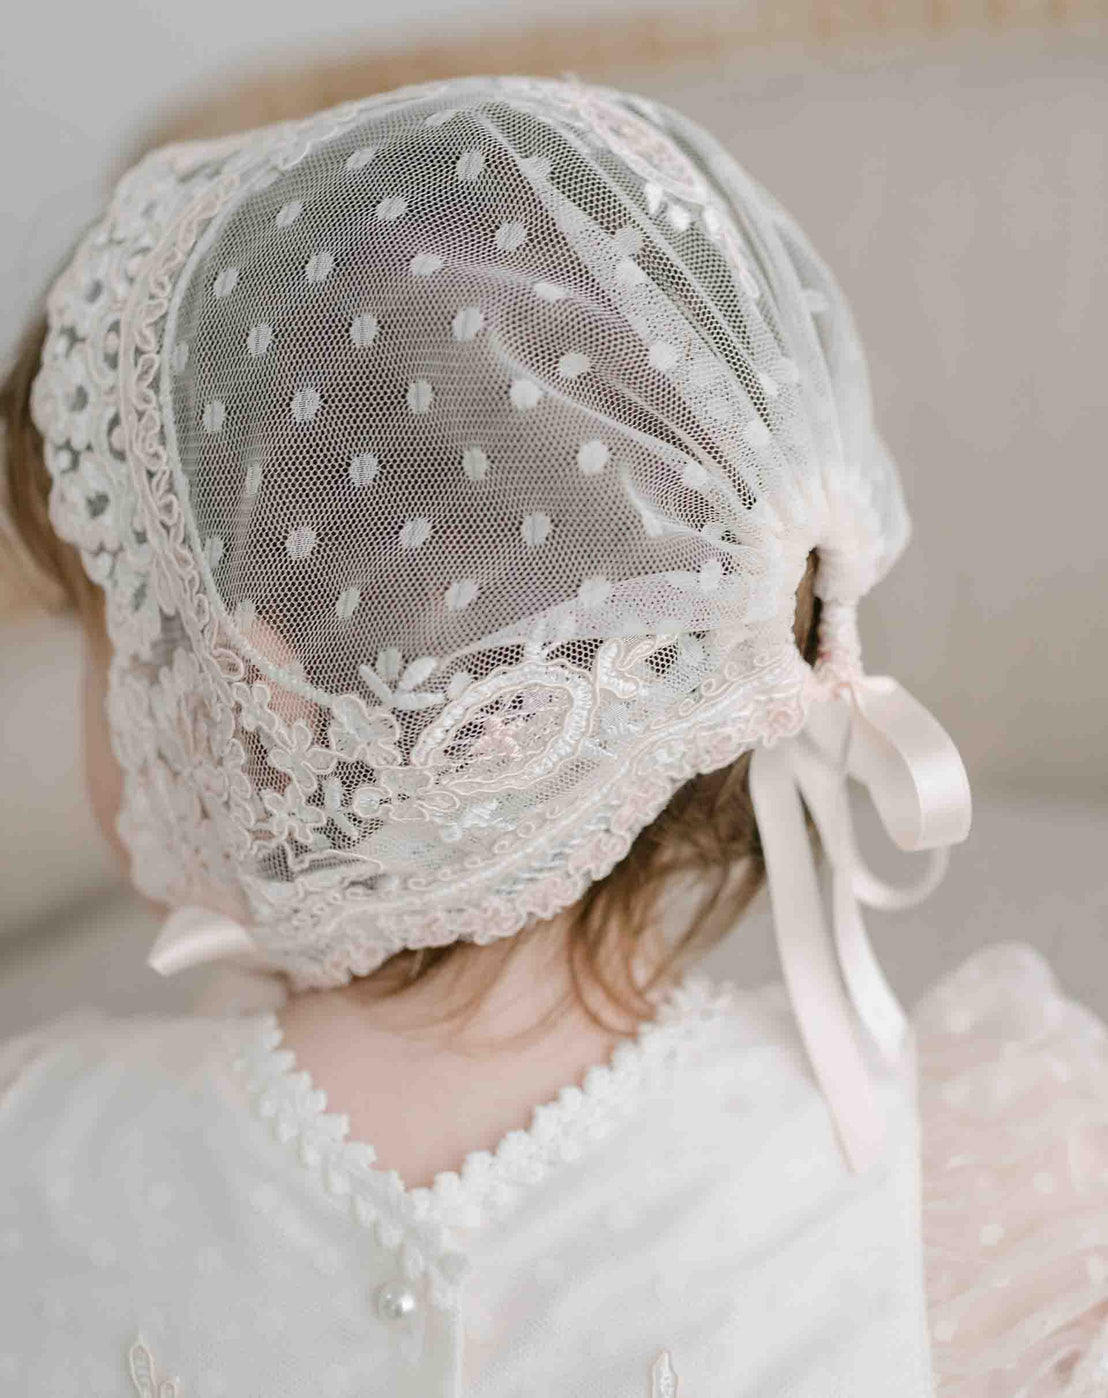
point(405, 1313)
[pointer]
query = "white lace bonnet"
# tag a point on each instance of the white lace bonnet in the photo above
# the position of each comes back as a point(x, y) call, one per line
point(450, 460)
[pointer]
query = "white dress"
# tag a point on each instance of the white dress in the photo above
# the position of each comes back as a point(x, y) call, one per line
point(180, 1217)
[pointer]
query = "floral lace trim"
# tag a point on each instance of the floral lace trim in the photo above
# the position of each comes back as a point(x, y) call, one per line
point(590, 840)
point(417, 1223)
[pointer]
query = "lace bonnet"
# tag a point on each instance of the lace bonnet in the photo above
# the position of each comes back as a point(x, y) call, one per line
point(449, 461)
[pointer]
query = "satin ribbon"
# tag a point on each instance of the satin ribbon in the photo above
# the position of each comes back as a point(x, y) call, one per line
point(190, 936)
point(873, 730)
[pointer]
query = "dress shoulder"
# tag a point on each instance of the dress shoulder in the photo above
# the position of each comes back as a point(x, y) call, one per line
point(85, 1077)
point(1014, 1115)
point(22, 1054)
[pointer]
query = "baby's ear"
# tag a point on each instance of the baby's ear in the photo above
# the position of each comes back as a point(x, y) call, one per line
point(291, 707)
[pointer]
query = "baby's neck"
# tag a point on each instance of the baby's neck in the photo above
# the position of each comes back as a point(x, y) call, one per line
point(425, 1091)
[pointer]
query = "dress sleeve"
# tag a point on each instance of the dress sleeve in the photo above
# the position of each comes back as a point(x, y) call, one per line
point(1014, 1115)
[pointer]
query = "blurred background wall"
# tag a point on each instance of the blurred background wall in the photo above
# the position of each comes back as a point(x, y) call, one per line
point(947, 157)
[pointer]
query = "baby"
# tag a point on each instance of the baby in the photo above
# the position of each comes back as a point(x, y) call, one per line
point(468, 493)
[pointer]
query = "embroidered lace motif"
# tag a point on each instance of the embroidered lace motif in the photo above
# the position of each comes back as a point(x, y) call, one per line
point(144, 1376)
point(663, 1378)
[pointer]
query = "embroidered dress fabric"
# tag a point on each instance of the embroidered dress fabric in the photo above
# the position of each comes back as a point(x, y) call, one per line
point(449, 460)
point(184, 1204)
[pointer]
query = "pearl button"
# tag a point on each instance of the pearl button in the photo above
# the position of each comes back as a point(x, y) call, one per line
point(395, 1302)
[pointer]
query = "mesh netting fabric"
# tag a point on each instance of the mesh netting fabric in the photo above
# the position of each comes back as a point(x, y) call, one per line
point(450, 461)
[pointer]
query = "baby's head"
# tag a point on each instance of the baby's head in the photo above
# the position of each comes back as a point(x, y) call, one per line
point(455, 466)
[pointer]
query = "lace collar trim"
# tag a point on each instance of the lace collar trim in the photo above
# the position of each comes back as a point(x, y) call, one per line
point(417, 1223)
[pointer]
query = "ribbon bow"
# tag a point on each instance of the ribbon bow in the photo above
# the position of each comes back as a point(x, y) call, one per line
point(870, 728)
point(190, 936)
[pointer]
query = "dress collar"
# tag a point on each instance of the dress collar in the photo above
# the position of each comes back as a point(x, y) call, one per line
point(419, 1222)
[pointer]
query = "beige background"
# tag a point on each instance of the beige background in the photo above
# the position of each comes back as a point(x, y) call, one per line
point(949, 163)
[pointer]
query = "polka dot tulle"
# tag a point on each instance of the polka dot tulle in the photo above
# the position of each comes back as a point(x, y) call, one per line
point(226, 282)
point(1014, 1108)
point(319, 266)
point(259, 339)
point(525, 393)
